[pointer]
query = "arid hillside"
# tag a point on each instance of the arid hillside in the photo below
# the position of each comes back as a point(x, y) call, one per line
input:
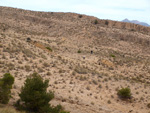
point(86, 59)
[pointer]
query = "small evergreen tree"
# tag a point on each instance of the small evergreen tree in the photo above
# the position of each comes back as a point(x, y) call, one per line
point(34, 96)
point(5, 88)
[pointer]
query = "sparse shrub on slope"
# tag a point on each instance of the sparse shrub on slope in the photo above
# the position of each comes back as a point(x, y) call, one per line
point(95, 22)
point(50, 49)
point(124, 93)
point(106, 22)
point(112, 55)
point(5, 88)
point(81, 70)
point(148, 105)
point(35, 98)
point(80, 16)
point(79, 51)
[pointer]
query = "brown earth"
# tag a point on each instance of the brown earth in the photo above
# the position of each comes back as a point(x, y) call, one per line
point(83, 82)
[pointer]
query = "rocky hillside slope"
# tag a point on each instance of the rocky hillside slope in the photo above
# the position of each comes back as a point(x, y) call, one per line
point(86, 59)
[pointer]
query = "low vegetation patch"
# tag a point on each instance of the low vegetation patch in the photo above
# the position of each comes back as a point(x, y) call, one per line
point(50, 49)
point(124, 93)
point(79, 51)
point(106, 22)
point(148, 105)
point(5, 88)
point(95, 22)
point(81, 70)
point(112, 55)
point(80, 16)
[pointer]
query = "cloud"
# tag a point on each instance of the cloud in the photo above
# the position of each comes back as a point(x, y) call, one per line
point(105, 9)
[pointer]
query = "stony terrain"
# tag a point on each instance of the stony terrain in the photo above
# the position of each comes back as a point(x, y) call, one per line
point(85, 59)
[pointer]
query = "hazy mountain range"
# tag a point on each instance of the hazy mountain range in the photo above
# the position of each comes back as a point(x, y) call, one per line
point(136, 22)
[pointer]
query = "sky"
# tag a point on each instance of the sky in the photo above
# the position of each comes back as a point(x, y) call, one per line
point(103, 9)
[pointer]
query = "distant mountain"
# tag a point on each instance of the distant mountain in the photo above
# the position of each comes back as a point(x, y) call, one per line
point(136, 22)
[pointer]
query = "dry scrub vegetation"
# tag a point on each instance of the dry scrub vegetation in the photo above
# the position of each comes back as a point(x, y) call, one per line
point(60, 51)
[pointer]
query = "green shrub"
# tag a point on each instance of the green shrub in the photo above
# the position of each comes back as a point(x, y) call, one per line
point(79, 51)
point(80, 16)
point(112, 55)
point(50, 49)
point(148, 105)
point(124, 93)
point(132, 29)
point(95, 22)
point(106, 22)
point(34, 96)
point(5, 88)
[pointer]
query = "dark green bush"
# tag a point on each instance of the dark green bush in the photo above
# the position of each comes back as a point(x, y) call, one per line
point(112, 55)
point(34, 96)
point(80, 16)
point(79, 51)
point(148, 105)
point(132, 29)
point(106, 22)
point(95, 22)
point(50, 49)
point(5, 88)
point(124, 93)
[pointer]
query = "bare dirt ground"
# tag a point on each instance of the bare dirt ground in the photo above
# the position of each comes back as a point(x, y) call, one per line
point(83, 82)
